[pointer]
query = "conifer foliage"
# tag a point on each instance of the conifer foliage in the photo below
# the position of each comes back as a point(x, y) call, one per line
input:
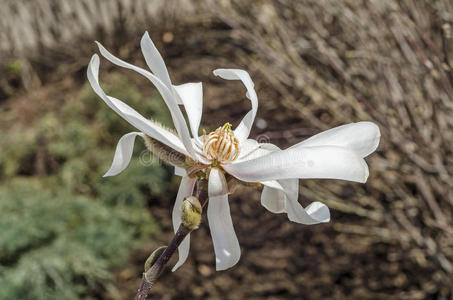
point(64, 228)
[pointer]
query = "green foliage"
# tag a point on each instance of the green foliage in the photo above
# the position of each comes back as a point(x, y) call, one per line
point(14, 67)
point(64, 228)
point(58, 246)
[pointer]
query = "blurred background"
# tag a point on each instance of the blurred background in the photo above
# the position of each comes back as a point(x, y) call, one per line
point(68, 233)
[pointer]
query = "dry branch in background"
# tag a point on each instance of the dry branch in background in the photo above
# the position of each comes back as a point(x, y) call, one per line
point(328, 63)
point(335, 61)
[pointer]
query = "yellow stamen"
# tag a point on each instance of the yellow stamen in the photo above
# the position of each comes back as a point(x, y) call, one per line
point(221, 145)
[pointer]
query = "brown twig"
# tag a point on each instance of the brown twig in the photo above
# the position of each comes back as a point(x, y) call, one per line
point(149, 277)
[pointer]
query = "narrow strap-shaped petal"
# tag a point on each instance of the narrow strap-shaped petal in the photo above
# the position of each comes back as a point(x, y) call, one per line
point(217, 184)
point(191, 96)
point(362, 138)
point(129, 114)
point(123, 153)
point(286, 193)
point(185, 189)
point(167, 95)
point(243, 130)
point(226, 244)
point(314, 213)
point(154, 60)
point(305, 162)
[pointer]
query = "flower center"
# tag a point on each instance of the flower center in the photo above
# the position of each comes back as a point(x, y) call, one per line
point(221, 144)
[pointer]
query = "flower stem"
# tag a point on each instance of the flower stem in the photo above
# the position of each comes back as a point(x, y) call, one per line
point(150, 276)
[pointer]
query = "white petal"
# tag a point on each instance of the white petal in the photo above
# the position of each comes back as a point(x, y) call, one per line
point(185, 189)
point(217, 184)
point(362, 138)
point(274, 184)
point(274, 195)
point(273, 200)
point(226, 244)
point(278, 196)
point(129, 114)
point(180, 171)
point(251, 149)
point(154, 60)
point(191, 95)
point(287, 193)
point(167, 95)
point(314, 213)
point(305, 162)
point(247, 145)
point(243, 130)
point(123, 153)
point(318, 211)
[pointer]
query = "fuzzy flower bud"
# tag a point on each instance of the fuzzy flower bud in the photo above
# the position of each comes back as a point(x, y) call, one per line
point(165, 153)
point(153, 257)
point(191, 212)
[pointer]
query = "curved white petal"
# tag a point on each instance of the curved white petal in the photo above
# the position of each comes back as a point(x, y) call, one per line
point(286, 193)
point(273, 200)
point(185, 189)
point(167, 95)
point(123, 153)
point(154, 60)
point(362, 138)
point(318, 211)
point(191, 96)
point(243, 130)
point(281, 196)
point(272, 197)
point(129, 114)
point(305, 162)
point(314, 213)
point(226, 244)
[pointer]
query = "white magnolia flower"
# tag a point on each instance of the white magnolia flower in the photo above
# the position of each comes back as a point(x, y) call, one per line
point(335, 154)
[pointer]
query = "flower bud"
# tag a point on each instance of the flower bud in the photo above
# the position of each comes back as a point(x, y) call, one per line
point(153, 257)
point(191, 212)
point(165, 153)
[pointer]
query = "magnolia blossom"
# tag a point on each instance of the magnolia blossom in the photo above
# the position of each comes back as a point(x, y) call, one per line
point(337, 153)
